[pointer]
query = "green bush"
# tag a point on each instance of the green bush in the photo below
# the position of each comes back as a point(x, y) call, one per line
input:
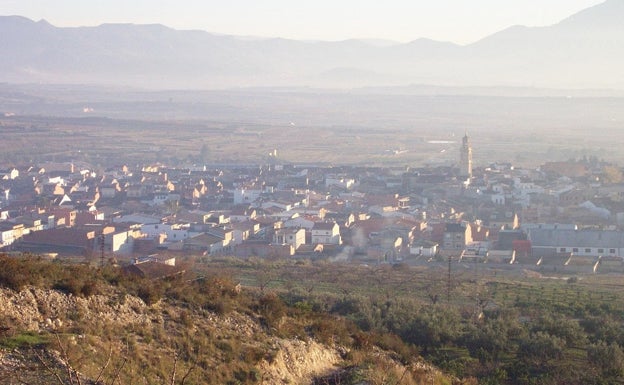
point(24, 340)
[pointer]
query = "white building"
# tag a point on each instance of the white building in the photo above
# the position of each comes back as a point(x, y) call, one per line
point(294, 237)
point(327, 233)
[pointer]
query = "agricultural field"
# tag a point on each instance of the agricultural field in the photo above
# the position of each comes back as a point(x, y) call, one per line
point(109, 126)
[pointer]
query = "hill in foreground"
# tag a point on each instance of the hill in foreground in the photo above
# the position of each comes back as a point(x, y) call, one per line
point(69, 324)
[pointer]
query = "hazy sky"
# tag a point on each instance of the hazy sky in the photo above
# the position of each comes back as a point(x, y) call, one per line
point(460, 21)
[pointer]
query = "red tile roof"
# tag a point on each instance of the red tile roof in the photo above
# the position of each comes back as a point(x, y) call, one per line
point(153, 270)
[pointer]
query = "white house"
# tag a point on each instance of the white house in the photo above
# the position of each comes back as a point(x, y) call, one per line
point(122, 242)
point(10, 232)
point(173, 232)
point(424, 248)
point(241, 231)
point(326, 233)
point(294, 237)
point(298, 222)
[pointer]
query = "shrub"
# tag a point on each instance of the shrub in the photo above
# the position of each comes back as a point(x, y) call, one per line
point(219, 306)
point(77, 286)
point(607, 358)
point(16, 274)
point(346, 306)
point(27, 339)
point(150, 294)
point(252, 355)
point(393, 343)
point(272, 308)
point(332, 330)
point(89, 288)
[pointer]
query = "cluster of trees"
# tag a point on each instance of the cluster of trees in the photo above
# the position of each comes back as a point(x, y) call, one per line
point(504, 344)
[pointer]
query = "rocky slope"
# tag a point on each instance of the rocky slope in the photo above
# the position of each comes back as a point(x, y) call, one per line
point(84, 324)
point(64, 323)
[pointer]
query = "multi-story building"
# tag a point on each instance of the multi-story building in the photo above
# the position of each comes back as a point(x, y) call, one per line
point(290, 236)
point(326, 233)
point(456, 236)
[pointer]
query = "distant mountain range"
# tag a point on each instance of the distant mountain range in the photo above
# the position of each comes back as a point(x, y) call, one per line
point(585, 50)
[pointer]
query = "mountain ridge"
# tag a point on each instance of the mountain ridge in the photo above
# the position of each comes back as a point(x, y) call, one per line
point(582, 51)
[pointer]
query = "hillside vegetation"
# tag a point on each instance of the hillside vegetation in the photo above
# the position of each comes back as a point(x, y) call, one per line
point(495, 326)
point(76, 324)
point(251, 321)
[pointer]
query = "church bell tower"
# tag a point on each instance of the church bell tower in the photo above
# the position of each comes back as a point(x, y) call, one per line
point(465, 158)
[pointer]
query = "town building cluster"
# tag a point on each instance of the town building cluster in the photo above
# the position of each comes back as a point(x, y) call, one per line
point(562, 216)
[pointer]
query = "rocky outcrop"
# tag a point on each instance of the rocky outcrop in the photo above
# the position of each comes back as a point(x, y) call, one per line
point(90, 324)
point(298, 362)
point(36, 309)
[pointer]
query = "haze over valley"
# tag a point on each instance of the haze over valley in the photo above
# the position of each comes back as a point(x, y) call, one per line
point(189, 207)
point(341, 127)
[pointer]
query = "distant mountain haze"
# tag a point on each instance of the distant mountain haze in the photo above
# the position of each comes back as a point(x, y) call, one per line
point(585, 50)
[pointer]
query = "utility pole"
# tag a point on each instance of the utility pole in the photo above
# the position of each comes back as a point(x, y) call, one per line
point(102, 239)
point(448, 280)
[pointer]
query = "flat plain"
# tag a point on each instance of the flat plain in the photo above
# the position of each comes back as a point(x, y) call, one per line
point(104, 126)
